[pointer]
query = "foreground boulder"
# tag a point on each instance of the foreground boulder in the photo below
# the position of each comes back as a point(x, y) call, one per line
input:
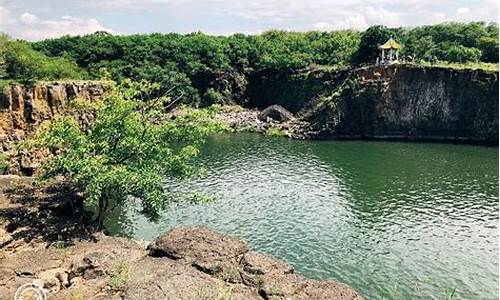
point(184, 263)
point(234, 269)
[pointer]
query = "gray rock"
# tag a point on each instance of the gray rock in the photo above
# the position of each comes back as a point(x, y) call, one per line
point(198, 245)
point(276, 113)
point(258, 263)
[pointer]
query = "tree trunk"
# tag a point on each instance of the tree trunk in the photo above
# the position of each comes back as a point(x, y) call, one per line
point(102, 211)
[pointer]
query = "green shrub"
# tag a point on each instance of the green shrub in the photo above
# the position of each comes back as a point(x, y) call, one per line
point(457, 53)
point(119, 275)
point(129, 149)
point(77, 294)
point(21, 62)
point(273, 131)
point(4, 163)
point(211, 97)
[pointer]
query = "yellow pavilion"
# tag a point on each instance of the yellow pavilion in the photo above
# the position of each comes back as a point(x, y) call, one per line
point(389, 52)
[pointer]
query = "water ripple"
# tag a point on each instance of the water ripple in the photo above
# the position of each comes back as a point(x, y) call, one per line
point(394, 220)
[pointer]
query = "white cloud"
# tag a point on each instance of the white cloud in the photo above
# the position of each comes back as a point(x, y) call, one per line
point(352, 22)
point(62, 26)
point(322, 26)
point(5, 18)
point(29, 26)
point(128, 4)
point(229, 16)
point(462, 10)
point(28, 18)
point(361, 19)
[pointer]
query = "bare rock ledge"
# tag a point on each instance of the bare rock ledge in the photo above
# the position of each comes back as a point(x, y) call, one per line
point(184, 263)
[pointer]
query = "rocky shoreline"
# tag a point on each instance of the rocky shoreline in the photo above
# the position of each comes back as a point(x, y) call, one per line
point(41, 243)
point(399, 102)
point(274, 120)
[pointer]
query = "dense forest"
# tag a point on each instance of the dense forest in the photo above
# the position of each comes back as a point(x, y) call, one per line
point(197, 63)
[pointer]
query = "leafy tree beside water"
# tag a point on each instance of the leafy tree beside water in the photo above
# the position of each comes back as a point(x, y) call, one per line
point(127, 151)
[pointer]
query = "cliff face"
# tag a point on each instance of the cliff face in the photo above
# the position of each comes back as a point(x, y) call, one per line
point(295, 90)
point(412, 103)
point(23, 107)
point(396, 102)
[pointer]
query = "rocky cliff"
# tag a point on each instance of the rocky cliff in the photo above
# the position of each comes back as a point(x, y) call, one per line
point(23, 107)
point(413, 103)
point(292, 89)
point(394, 102)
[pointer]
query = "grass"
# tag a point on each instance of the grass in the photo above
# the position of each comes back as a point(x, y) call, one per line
point(77, 294)
point(247, 128)
point(4, 163)
point(330, 68)
point(119, 276)
point(224, 292)
point(273, 131)
point(60, 243)
point(463, 66)
point(230, 274)
point(4, 83)
point(221, 292)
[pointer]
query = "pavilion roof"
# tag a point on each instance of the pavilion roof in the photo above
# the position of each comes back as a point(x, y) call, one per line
point(390, 44)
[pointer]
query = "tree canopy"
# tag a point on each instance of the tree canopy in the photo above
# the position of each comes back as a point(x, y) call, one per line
point(450, 42)
point(127, 151)
point(19, 61)
point(194, 62)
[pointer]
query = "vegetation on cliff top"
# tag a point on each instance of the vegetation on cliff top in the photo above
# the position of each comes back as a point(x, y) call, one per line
point(207, 69)
point(20, 62)
point(127, 151)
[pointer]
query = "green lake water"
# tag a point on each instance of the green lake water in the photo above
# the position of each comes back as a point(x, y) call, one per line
point(393, 220)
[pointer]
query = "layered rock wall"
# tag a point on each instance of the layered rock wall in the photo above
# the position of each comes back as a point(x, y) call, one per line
point(406, 102)
point(417, 103)
point(23, 107)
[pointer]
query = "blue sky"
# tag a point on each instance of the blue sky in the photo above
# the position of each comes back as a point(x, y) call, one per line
point(39, 19)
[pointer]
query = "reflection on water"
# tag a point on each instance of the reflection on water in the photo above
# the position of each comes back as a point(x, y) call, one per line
point(393, 220)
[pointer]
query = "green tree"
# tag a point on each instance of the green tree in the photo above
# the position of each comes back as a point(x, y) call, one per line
point(127, 151)
point(22, 62)
point(3, 65)
point(371, 39)
point(489, 48)
point(420, 48)
point(457, 53)
point(212, 96)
